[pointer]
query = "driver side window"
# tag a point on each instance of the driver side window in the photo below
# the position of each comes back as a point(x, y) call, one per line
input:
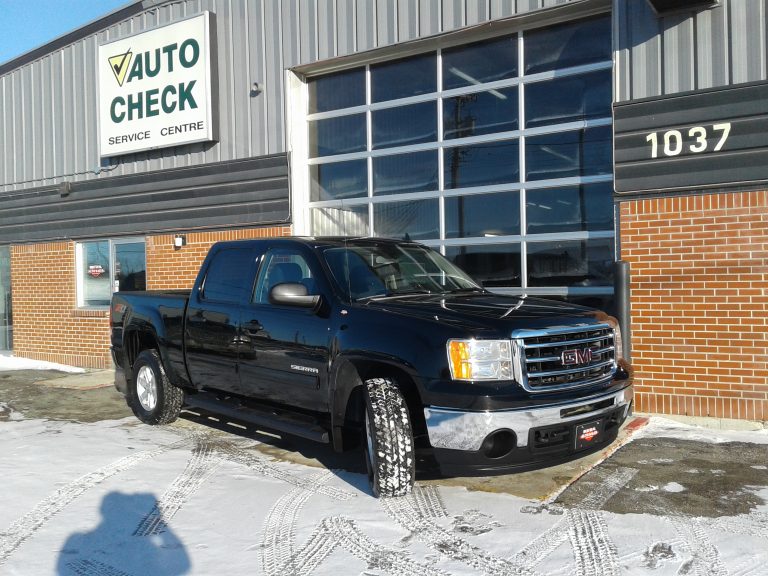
point(281, 266)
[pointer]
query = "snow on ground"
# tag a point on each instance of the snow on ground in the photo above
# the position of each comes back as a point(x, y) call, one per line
point(120, 498)
point(660, 426)
point(10, 362)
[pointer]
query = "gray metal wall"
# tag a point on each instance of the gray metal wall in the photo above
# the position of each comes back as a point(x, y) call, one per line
point(48, 106)
point(690, 50)
point(240, 193)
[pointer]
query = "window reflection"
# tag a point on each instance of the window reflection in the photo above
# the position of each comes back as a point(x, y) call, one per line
point(412, 220)
point(338, 180)
point(572, 209)
point(575, 153)
point(343, 221)
point(571, 263)
point(402, 173)
point(480, 113)
point(337, 91)
point(404, 125)
point(481, 164)
point(403, 78)
point(341, 135)
point(568, 99)
point(480, 62)
point(572, 44)
point(489, 264)
point(482, 215)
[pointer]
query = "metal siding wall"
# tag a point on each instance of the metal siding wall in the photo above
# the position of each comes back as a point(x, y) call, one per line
point(693, 50)
point(48, 107)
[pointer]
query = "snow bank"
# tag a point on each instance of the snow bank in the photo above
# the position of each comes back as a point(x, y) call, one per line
point(8, 362)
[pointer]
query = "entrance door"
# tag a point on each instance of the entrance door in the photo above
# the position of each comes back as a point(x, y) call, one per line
point(6, 318)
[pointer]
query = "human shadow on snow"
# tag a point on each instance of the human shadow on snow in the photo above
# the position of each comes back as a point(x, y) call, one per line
point(117, 547)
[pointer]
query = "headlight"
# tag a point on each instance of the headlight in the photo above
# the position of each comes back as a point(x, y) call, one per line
point(480, 359)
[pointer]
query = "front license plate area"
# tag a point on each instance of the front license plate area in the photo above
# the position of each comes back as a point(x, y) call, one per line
point(588, 434)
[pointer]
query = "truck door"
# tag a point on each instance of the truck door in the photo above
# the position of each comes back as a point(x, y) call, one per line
point(284, 357)
point(212, 326)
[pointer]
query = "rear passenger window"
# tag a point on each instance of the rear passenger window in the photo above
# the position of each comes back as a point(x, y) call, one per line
point(228, 275)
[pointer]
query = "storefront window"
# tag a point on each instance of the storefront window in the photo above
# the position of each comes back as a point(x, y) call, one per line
point(500, 157)
point(106, 266)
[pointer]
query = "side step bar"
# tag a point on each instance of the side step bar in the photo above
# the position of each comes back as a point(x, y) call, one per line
point(269, 418)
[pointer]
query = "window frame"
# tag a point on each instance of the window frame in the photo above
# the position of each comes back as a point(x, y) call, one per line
point(80, 262)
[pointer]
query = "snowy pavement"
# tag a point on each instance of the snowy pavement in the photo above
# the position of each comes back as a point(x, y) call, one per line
point(118, 498)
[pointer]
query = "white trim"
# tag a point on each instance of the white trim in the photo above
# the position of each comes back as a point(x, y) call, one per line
point(297, 98)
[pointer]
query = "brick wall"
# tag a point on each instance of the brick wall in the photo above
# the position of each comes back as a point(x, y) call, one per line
point(699, 269)
point(46, 322)
point(170, 269)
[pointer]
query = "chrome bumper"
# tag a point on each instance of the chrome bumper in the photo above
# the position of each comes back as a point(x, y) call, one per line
point(459, 430)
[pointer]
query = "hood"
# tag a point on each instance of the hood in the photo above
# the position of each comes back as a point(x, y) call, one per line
point(486, 310)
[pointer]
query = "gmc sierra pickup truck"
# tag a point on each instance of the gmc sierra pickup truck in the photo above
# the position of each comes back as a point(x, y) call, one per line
point(377, 341)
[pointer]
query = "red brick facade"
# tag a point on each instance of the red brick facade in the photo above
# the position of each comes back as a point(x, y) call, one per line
point(47, 325)
point(699, 268)
point(46, 322)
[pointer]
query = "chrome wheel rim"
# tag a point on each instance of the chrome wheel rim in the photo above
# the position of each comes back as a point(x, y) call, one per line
point(146, 388)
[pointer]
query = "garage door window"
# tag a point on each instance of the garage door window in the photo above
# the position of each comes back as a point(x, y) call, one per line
point(497, 153)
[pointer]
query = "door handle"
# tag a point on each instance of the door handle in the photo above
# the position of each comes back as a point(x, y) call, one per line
point(253, 328)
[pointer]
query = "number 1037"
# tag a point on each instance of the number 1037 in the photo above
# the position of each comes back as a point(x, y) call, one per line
point(673, 142)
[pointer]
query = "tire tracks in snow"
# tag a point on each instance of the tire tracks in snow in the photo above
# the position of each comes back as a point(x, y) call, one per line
point(92, 568)
point(203, 464)
point(405, 511)
point(279, 533)
point(280, 557)
point(585, 527)
point(705, 557)
point(26, 526)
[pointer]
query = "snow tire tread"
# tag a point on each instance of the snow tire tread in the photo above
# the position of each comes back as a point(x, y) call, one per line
point(394, 459)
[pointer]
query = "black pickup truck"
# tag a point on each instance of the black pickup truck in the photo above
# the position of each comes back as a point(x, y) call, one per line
point(377, 341)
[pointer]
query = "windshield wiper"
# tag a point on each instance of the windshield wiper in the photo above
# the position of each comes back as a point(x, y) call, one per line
point(395, 294)
point(466, 290)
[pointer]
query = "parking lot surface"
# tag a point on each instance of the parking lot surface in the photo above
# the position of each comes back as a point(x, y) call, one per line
point(90, 490)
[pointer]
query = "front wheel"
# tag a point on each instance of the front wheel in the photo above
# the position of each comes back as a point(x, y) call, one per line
point(151, 396)
point(388, 439)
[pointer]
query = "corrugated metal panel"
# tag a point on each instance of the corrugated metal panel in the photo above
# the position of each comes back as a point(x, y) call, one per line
point(238, 193)
point(48, 106)
point(697, 49)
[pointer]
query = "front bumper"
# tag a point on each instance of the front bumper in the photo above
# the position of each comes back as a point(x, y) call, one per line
point(497, 441)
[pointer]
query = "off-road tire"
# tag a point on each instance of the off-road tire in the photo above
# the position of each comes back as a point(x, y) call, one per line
point(388, 440)
point(169, 398)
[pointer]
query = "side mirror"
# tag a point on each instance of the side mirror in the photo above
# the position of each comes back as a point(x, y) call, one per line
point(294, 294)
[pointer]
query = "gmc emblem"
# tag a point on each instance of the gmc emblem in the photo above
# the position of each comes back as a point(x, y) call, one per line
point(576, 356)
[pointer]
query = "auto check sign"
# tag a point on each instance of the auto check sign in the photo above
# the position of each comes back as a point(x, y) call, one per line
point(155, 88)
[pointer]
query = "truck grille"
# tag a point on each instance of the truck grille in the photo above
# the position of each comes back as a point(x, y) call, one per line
point(561, 358)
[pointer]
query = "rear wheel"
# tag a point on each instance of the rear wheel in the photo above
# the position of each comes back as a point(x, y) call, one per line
point(151, 396)
point(388, 445)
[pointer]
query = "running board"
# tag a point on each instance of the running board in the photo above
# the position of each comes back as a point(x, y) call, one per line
point(270, 418)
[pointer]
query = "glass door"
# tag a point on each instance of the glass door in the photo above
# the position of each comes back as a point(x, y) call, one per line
point(6, 318)
point(129, 270)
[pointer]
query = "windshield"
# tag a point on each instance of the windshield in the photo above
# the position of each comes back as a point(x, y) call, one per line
point(379, 270)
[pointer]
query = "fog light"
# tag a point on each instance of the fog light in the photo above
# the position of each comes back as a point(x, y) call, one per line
point(498, 444)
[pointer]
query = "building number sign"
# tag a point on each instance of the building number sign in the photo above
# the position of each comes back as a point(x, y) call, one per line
point(713, 138)
point(673, 142)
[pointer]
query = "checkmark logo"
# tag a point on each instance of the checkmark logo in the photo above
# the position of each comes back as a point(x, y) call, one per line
point(120, 65)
